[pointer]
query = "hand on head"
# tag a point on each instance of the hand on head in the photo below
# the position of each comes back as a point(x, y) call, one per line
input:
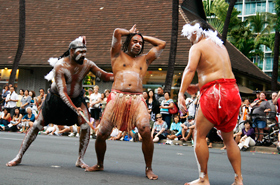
point(133, 29)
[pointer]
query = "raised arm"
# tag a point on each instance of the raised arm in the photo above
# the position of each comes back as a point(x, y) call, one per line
point(117, 40)
point(155, 52)
point(100, 73)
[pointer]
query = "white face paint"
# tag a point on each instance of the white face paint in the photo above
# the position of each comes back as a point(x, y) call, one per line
point(134, 45)
point(80, 49)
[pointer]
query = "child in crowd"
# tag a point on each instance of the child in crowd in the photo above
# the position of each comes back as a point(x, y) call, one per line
point(175, 129)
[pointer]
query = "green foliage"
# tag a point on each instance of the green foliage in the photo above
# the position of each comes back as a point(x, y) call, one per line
point(277, 10)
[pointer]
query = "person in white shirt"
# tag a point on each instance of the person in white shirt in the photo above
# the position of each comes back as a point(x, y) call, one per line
point(191, 103)
point(95, 100)
point(11, 101)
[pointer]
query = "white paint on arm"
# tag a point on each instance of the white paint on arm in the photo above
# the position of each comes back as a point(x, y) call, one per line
point(62, 88)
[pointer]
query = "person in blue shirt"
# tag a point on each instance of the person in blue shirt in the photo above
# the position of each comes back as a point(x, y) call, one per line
point(27, 120)
point(176, 129)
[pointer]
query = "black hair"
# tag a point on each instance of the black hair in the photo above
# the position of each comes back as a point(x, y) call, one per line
point(128, 39)
point(168, 93)
point(203, 24)
point(153, 94)
point(41, 89)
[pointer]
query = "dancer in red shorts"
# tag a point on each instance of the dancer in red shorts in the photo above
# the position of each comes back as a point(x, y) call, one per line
point(219, 101)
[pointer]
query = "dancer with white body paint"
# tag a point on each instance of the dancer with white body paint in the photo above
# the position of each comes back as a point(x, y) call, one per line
point(219, 100)
point(126, 107)
point(63, 104)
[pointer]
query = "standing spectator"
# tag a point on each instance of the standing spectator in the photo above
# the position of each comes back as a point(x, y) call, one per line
point(164, 108)
point(5, 92)
point(25, 102)
point(160, 95)
point(41, 98)
point(191, 105)
point(33, 103)
point(11, 101)
point(87, 98)
point(260, 107)
point(95, 99)
point(153, 105)
point(104, 101)
point(5, 117)
point(145, 95)
point(20, 95)
point(27, 120)
point(276, 102)
point(247, 137)
point(159, 128)
point(245, 109)
point(272, 106)
point(257, 95)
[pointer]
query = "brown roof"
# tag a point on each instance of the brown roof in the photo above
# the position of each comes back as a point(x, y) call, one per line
point(51, 25)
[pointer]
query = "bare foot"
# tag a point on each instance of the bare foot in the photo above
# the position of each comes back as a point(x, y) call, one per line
point(210, 145)
point(238, 181)
point(95, 168)
point(223, 148)
point(150, 174)
point(13, 162)
point(199, 181)
point(81, 164)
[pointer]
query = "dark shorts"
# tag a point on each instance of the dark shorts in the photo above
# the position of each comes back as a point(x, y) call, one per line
point(95, 113)
point(57, 112)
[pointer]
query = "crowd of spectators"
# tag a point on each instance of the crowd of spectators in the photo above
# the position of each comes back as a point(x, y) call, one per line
point(19, 112)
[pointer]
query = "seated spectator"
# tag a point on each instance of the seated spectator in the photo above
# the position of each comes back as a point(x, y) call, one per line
point(5, 118)
point(159, 128)
point(116, 134)
point(27, 120)
point(175, 129)
point(74, 129)
point(13, 126)
point(52, 130)
point(187, 129)
point(247, 137)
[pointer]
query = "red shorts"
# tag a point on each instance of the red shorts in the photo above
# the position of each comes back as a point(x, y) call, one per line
point(220, 102)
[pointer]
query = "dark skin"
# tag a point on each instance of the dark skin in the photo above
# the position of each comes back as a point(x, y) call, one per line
point(129, 69)
point(68, 76)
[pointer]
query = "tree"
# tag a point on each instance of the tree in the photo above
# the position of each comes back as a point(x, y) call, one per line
point(21, 41)
point(276, 48)
point(173, 46)
point(227, 21)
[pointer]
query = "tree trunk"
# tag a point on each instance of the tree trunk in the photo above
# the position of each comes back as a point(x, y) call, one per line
point(21, 41)
point(226, 25)
point(173, 46)
point(275, 63)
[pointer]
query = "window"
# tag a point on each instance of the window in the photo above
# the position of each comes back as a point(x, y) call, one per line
point(268, 63)
point(261, 7)
point(271, 7)
point(250, 8)
point(239, 8)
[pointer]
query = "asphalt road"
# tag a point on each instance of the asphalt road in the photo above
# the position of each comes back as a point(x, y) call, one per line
point(51, 160)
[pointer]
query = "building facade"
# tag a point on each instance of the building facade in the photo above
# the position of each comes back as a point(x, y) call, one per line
point(250, 8)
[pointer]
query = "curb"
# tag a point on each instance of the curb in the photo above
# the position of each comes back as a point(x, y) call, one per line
point(260, 149)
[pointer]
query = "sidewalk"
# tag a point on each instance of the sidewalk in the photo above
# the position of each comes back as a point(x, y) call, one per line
point(260, 149)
